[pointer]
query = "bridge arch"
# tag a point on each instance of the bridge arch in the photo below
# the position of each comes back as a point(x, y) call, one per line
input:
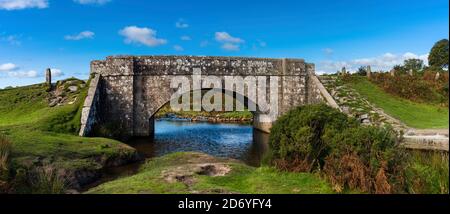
point(258, 116)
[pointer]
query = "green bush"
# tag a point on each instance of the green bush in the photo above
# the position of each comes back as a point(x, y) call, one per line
point(296, 139)
point(350, 156)
point(365, 158)
point(418, 88)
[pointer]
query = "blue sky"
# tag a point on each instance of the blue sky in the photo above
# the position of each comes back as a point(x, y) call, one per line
point(67, 34)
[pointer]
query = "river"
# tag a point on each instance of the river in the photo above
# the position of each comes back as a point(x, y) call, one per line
point(226, 140)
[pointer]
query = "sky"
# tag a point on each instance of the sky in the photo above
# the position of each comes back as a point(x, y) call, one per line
point(65, 35)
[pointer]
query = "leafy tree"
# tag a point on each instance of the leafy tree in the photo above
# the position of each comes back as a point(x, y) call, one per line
point(438, 57)
point(399, 69)
point(413, 64)
point(362, 71)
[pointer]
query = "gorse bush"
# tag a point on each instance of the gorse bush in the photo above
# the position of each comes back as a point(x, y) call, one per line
point(365, 158)
point(296, 139)
point(350, 156)
point(422, 88)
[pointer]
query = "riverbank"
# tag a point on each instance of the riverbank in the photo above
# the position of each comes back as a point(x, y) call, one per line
point(197, 173)
point(203, 116)
point(41, 127)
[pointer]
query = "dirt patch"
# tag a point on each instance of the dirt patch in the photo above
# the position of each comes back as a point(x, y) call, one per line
point(186, 173)
point(214, 170)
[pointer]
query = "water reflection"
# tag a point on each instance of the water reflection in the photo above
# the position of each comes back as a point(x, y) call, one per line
point(238, 141)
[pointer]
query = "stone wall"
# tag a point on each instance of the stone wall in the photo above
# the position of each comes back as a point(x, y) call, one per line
point(133, 88)
point(89, 114)
point(317, 93)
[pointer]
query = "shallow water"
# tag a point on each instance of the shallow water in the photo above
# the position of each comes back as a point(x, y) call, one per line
point(229, 140)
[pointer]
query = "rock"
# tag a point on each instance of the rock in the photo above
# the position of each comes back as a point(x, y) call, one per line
point(364, 117)
point(437, 76)
point(72, 102)
point(366, 122)
point(53, 103)
point(73, 88)
point(346, 109)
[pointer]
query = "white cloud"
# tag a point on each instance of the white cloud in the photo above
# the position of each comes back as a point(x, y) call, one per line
point(230, 47)
point(178, 48)
point(99, 2)
point(389, 56)
point(145, 36)
point(56, 72)
point(230, 43)
point(384, 62)
point(23, 74)
point(8, 67)
point(226, 37)
point(22, 4)
point(186, 38)
point(80, 36)
point(181, 23)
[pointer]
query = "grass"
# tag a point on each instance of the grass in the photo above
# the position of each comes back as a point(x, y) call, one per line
point(190, 114)
point(428, 172)
point(416, 115)
point(241, 179)
point(5, 151)
point(38, 131)
point(49, 182)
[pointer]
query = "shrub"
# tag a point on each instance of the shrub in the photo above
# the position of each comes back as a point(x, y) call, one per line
point(365, 158)
point(362, 71)
point(296, 139)
point(350, 156)
point(428, 172)
point(420, 88)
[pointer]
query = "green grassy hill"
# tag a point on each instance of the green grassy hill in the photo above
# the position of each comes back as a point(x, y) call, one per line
point(47, 136)
point(413, 114)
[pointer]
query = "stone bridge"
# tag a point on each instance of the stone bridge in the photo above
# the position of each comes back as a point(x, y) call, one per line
point(128, 90)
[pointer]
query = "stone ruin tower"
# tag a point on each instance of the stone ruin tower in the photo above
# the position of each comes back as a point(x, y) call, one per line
point(369, 71)
point(48, 76)
point(48, 79)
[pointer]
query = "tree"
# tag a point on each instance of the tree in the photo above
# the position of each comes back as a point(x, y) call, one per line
point(398, 68)
point(438, 57)
point(413, 64)
point(362, 71)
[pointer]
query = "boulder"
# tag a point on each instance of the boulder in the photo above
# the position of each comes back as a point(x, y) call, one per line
point(73, 88)
point(364, 117)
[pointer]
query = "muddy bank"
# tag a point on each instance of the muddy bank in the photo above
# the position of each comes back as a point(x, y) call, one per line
point(76, 173)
